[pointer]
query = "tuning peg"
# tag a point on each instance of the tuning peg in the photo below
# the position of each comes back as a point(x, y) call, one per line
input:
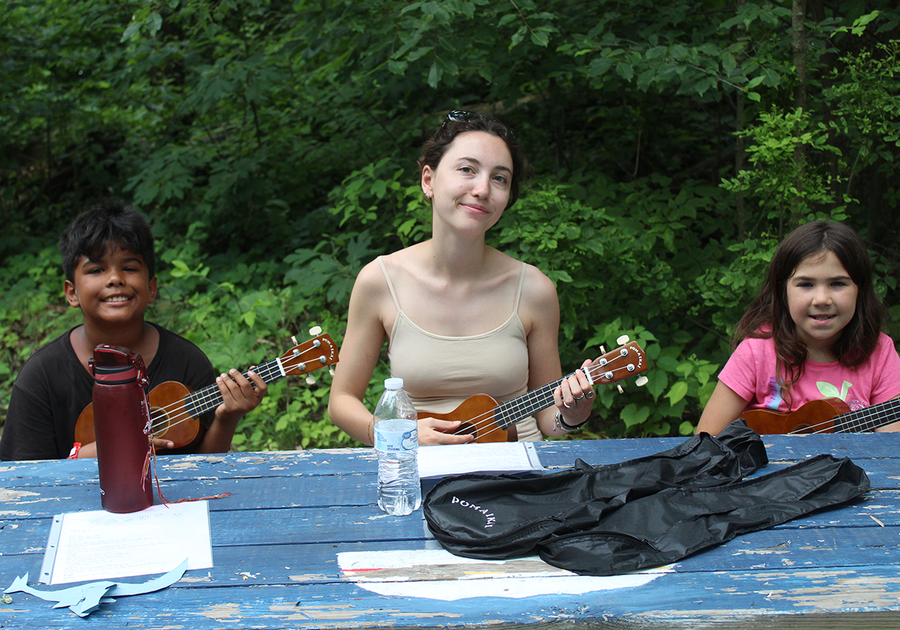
point(602, 349)
point(622, 340)
point(331, 371)
point(310, 380)
point(619, 387)
point(315, 331)
point(641, 380)
point(293, 340)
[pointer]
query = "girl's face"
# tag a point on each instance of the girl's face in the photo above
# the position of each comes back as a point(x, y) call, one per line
point(470, 186)
point(822, 300)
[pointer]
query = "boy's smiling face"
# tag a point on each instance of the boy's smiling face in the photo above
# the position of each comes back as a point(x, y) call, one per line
point(112, 289)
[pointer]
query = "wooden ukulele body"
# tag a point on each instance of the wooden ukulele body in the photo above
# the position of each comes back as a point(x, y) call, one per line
point(169, 419)
point(476, 415)
point(816, 416)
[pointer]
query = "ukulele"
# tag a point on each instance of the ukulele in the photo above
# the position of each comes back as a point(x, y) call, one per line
point(829, 415)
point(490, 421)
point(175, 408)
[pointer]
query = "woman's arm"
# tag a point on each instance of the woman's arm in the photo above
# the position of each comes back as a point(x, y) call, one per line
point(724, 407)
point(370, 302)
point(540, 314)
point(359, 354)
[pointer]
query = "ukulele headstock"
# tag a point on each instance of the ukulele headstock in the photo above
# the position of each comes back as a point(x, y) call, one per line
point(626, 360)
point(310, 355)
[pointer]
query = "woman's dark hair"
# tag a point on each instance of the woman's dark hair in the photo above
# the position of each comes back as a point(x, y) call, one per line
point(108, 222)
point(458, 122)
point(769, 315)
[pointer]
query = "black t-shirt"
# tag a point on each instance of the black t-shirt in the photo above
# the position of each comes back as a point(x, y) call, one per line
point(53, 388)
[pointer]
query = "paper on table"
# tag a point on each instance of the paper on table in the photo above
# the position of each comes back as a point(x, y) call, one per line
point(100, 545)
point(455, 459)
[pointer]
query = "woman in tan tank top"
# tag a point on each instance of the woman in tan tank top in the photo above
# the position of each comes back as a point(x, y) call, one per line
point(453, 289)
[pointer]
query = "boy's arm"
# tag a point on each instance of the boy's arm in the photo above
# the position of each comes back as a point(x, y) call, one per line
point(240, 396)
point(29, 432)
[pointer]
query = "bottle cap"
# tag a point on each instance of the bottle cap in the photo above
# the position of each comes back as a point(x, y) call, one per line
point(393, 383)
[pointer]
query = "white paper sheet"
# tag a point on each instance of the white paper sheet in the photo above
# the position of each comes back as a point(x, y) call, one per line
point(100, 545)
point(455, 459)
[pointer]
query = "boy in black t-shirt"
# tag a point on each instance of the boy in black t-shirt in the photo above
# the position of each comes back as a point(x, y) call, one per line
point(109, 264)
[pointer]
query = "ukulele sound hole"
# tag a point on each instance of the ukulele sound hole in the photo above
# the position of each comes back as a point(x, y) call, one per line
point(467, 428)
point(159, 422)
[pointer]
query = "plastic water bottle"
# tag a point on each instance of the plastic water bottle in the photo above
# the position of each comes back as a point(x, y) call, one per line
point(397, 444)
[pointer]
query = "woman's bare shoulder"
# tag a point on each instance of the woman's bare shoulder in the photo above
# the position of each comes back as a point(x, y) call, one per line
point(370, 282)
point(538, 286)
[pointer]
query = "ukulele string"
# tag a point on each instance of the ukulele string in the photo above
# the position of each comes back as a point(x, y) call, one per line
point(815, 429)
point(477, 423)
point(522, 409)
point(209, 397)
point(851, 426)
point(868, 418)
point(204, 399)
point(486, 418)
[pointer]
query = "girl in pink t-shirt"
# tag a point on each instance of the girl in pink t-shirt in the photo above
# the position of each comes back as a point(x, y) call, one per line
point(812, 332)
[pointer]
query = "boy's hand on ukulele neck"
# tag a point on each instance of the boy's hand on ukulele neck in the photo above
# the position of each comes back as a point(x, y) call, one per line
point(239, 394)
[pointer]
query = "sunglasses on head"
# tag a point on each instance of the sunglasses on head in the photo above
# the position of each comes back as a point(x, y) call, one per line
point(460, 116)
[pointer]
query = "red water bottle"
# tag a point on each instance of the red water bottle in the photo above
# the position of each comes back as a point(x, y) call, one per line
point(122, 428)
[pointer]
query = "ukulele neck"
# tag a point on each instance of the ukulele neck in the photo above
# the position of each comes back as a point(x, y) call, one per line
point(869, 418)
point(512, 411)
point(199, 402)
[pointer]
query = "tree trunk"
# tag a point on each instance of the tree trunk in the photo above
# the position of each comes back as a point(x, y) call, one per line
point(798, 45)
point(740, 156)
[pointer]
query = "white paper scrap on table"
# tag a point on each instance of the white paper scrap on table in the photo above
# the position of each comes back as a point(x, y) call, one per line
point(439, 575)
point(456, 459)
point(100, 545)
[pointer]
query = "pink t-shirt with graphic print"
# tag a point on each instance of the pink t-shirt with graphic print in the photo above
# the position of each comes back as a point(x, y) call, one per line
point(750, 373)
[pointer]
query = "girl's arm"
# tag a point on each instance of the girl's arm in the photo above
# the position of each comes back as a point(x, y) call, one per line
point(889, 428)
point(724, 407)
point(888, 362)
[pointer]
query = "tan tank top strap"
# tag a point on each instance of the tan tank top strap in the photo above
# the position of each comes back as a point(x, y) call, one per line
point(389, 283)
point(519, 288)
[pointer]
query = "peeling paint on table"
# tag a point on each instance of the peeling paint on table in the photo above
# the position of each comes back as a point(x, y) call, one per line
point(299, 543)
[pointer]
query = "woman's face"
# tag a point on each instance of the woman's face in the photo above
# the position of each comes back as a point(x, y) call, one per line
point(470, 186)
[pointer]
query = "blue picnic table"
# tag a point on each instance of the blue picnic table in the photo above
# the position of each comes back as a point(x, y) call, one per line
point(300, 543)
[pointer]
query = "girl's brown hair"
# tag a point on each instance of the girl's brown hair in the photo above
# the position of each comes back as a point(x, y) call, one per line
point(769, 315)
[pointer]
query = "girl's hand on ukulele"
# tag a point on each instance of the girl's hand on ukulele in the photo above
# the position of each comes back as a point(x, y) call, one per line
point(434, 431)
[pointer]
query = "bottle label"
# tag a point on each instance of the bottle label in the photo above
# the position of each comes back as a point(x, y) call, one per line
point(396, 436)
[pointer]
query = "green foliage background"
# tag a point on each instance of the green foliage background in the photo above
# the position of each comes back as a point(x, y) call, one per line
point(273, 146)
